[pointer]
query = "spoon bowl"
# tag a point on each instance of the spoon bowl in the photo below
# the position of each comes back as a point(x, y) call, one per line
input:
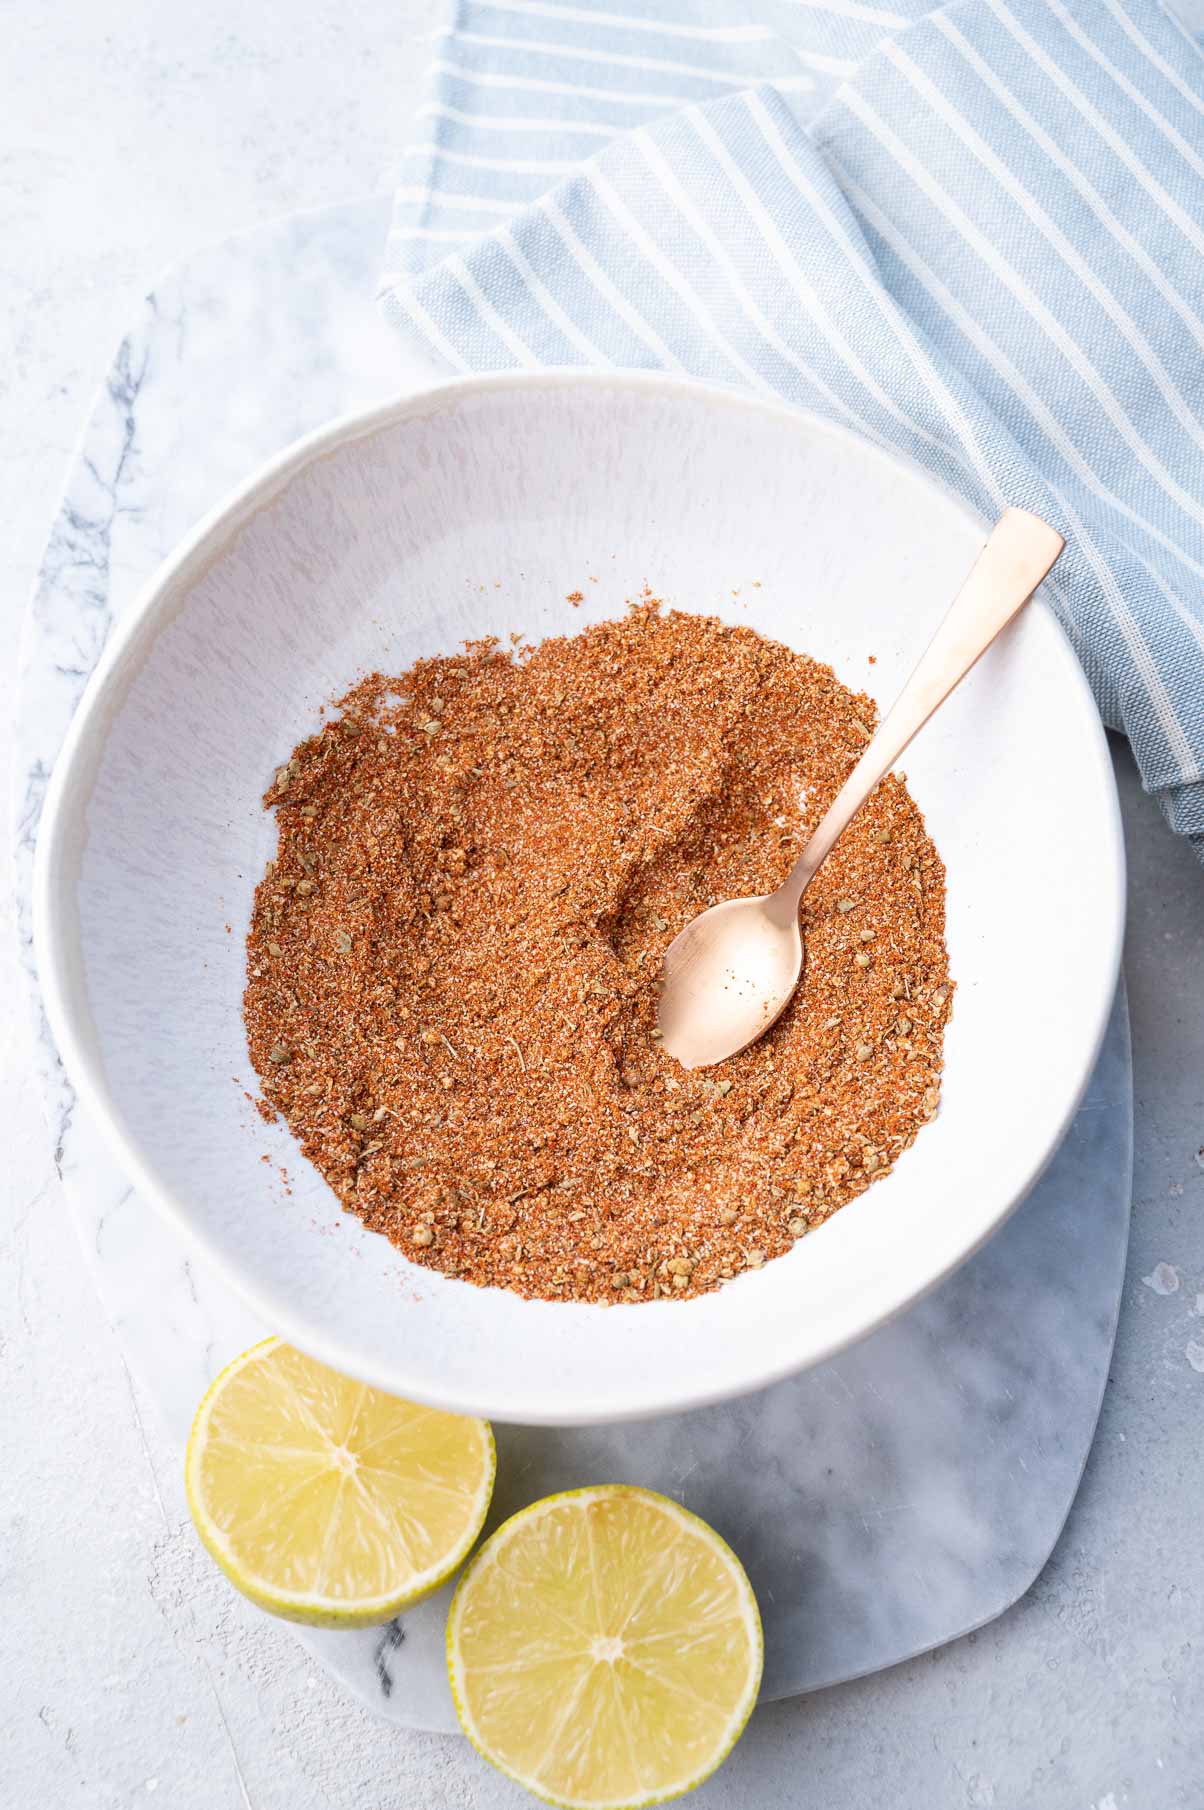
point(728, 976)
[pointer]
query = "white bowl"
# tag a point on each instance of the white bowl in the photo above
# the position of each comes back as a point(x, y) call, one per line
point(475, 508)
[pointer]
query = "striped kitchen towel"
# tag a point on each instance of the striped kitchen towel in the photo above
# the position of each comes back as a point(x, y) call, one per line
point(974, 234)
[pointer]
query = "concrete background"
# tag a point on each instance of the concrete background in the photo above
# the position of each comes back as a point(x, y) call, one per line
point(130, 132)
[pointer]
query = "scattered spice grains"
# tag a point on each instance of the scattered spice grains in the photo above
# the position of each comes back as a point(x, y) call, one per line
point(453, 960)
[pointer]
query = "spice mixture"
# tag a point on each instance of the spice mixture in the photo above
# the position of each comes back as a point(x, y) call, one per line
point(453, 961)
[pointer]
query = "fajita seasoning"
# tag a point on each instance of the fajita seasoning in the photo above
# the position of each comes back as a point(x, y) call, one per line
point(453, 960)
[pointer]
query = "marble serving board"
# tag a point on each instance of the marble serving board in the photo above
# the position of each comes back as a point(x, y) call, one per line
point(884, 1502)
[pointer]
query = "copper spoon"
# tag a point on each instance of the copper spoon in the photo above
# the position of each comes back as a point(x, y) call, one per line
point(730, 973)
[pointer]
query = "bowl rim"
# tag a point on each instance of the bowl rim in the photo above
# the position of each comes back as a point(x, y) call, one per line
point(56, 929)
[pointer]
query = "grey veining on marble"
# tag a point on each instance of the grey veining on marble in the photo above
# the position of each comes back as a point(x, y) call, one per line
point(884, 1502)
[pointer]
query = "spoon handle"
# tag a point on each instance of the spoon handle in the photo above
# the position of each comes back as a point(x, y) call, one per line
point(1019, 553)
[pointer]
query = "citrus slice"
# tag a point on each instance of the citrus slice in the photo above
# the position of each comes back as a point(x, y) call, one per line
point(604, 1649)
point(326, 1501)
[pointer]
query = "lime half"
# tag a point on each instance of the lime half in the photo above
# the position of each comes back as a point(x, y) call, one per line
point(604, 1649)
point(329, 1502)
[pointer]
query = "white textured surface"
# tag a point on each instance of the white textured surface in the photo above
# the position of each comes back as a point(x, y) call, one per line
point(130, 1670)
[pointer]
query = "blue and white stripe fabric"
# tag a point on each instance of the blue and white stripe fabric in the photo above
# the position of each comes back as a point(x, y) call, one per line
point(975, 235)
